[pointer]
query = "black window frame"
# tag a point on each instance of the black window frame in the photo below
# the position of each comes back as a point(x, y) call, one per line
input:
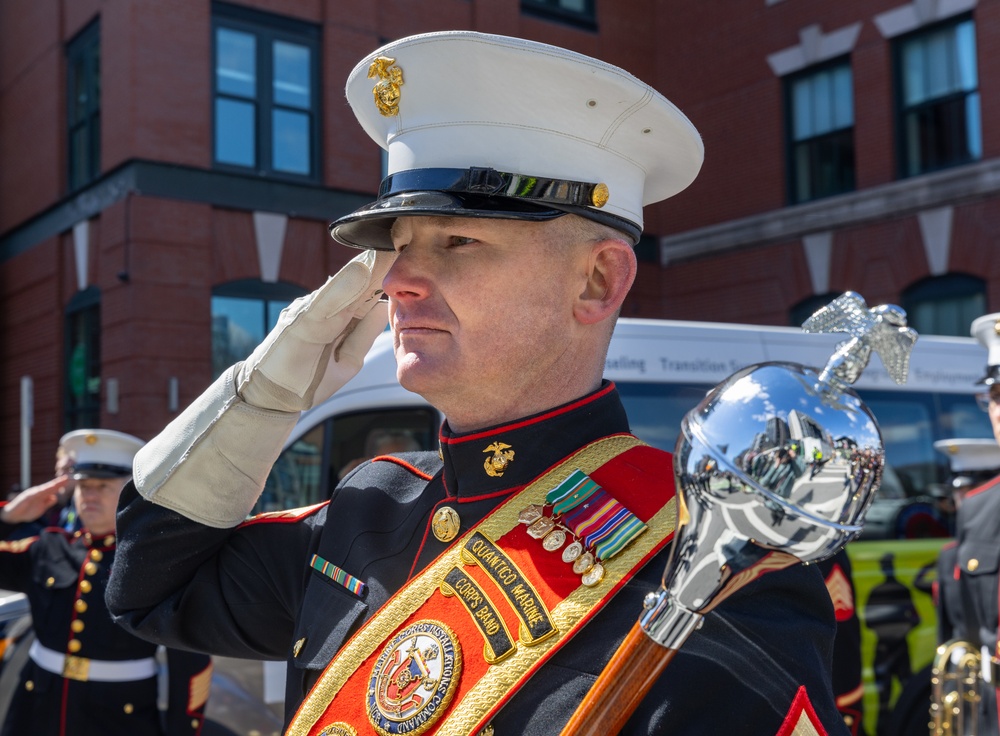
point(903, 168)
point(251, 290)
point(846, 181)
point(84, 50)
point(934, 290)
point(83, 312)
point(268, 28)
point(555, 10)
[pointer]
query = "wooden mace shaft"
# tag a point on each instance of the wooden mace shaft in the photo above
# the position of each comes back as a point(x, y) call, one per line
point(620, 688)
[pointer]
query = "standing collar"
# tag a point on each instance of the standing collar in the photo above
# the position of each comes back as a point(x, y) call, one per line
point(504, 458)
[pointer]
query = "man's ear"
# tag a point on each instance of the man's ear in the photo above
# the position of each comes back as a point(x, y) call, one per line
point(611, 269)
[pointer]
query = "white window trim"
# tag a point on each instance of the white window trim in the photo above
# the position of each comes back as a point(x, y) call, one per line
point(814, 47)
point(919, 13)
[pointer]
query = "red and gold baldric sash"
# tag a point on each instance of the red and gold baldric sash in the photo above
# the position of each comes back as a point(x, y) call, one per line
point(446, 652)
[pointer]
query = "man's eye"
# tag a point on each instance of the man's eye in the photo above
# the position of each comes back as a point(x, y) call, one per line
point(461, 240)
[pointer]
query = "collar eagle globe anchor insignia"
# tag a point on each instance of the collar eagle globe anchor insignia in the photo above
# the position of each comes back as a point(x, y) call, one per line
point(414, 679)
point(386, 90)
point(497, 463)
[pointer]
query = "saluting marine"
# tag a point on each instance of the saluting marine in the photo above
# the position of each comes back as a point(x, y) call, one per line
point(85, 674)
point(481, 588)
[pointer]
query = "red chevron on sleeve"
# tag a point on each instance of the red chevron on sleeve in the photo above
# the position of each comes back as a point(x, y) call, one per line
point(801, 718)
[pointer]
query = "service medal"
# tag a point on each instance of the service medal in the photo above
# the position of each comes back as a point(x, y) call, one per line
point(554, 540)
point(574, 550)
point(583, 563)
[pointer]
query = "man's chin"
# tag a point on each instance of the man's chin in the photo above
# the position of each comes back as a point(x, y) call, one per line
point(418, 374)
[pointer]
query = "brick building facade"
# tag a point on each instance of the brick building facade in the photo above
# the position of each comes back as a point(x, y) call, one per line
point(167, 166)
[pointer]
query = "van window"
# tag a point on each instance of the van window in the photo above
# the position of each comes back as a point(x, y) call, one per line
point(655, 410)
point(311, 466)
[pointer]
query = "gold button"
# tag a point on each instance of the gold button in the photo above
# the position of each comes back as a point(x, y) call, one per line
point(29, 686)
point(85, 586)
point(195, 724)
point(90, 568)
point(446, 524)
point(96, 555)
point(80, 606)
point(77, 626)
point(74, 645)
point(128, 708)
point(50, 582)
point(298, 647)
point(973, 564)
point(109, 540)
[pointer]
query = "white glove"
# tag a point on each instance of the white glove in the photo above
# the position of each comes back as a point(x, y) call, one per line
point(210, 463)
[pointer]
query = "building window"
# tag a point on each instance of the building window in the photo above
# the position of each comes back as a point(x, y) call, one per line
point(945, 305)
point(938, 92)
point(243, 312)
point(266, 88)
point(83, 360)
point(820, 108)
point(577, 12)
point(83, 80)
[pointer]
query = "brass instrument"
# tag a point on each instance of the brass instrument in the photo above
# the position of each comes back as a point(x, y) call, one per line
point(956, 679)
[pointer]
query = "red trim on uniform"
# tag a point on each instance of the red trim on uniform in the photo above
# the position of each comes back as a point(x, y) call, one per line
point(403, 464)
point(801, 704)
point(533, 420)
point(283, 517)
point(993, 483)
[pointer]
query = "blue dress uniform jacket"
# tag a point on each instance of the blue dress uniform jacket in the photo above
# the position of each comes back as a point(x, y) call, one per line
point(64, 576)
point(977, 556)
point(947, 595)
point(250, 592)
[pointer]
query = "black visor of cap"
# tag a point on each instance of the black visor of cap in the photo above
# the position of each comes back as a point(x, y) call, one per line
point(475, 192)
point(82, 471)
point(992, 375)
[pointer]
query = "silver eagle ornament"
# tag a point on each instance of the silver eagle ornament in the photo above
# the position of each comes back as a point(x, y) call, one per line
point(777, 464)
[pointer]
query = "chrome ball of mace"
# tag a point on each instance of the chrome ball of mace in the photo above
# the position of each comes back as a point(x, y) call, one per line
point(777, 464)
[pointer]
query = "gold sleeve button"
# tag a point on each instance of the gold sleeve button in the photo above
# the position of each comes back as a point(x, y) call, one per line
point(128, 708)
point(973, 565)
point(29, 686)
point(50, 582)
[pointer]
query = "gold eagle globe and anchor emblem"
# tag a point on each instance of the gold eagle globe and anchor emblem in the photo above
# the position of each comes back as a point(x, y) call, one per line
point(499, 461)
point(386, 90)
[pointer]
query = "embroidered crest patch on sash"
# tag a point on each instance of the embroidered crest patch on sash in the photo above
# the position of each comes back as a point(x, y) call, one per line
point(414, 679)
